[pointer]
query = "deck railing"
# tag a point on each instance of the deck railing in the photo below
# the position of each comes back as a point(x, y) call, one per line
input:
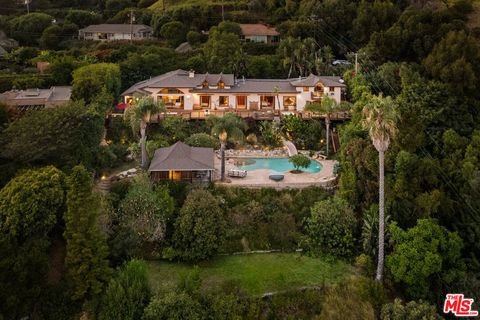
point(257, 115)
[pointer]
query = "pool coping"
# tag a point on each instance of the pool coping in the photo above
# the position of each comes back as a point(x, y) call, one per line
point(316, 160)
point(259, 178)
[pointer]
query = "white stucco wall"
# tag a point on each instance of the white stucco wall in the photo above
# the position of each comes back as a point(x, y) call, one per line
point(192, 99)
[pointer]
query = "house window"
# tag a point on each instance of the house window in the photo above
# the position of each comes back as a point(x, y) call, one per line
point(221, 85)
point(267, 102)
point(241, 102)
point(223, 100)
point(205, 101)
point(306, 89)
point(173, 102)
point(289, 103)
point(319, 90)
point(331, 89)
point(205, 84)
point(170, 91)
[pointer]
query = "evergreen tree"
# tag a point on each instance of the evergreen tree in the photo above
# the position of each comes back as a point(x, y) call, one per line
point(86, 261)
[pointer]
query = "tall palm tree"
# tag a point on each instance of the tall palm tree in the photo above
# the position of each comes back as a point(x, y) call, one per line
point(327, 107)
point(227, 128)
point(139, 115)
point(380, 118)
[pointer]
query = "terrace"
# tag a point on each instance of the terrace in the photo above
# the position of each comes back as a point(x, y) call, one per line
point(254, 114)
point(259, 176)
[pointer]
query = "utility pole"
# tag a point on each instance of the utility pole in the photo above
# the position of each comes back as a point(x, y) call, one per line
point(27, 3)
point(131, 26)
point(223, 13)
point(164, 8)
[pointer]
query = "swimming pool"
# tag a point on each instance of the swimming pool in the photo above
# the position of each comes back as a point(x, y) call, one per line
point(275, 164)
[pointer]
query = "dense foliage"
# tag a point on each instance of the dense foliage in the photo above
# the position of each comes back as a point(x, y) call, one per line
point(423, 54)
point(63, 136)
point(200, 227)
point(86, 259)
point(127, 293)
point(330, 229)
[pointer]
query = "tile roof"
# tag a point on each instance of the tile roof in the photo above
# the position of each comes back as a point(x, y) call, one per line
point(256, 86)
point(116, 28)
point(180, 79)
point(257, 29)
point(181, 157)
point(311, 80)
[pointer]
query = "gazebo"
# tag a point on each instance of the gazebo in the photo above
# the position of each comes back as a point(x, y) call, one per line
point(181, 162)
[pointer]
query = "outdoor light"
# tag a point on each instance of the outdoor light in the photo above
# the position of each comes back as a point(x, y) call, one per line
point(188, 96)
point(104, 177)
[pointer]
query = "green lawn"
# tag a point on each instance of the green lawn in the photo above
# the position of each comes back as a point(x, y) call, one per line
point(256, 273)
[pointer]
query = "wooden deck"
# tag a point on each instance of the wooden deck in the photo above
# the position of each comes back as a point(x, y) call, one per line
point(253, 114)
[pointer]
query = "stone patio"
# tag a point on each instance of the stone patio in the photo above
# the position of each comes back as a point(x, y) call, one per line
point(259, 178)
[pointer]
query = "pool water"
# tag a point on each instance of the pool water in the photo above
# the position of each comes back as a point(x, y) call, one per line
point(275, 164)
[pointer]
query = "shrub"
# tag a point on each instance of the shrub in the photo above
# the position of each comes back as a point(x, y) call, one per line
point(200, 227)
point(145, 209)
point(346, 302)
point(412, 310)
point(194, 37)
point(174, 306)
point(119, 131)
point(270, 134)
point(127, 293)
point(252, 139)
point(105, 158)
point(202, 140)
point(330, 228)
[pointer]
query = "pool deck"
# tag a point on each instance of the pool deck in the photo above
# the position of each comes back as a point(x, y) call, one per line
point(259, 178)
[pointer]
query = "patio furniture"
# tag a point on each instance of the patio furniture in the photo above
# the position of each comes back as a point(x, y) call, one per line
point(235, 173)
point(276, 176)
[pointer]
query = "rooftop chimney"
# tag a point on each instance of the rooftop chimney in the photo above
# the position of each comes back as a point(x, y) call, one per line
point(191, 74)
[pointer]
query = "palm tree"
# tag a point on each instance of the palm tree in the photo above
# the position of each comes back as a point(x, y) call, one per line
point(227, 128)
point(139, 115)
point(380, 118)
point(328, 106)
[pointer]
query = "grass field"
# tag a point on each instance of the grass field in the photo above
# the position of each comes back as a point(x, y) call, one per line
point(256, 274)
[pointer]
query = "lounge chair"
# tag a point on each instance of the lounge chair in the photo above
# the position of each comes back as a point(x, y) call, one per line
point(235, 173)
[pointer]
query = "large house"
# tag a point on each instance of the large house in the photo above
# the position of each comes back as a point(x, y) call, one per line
point(256, 32)
point(21, 101)
point(111, 32)
point(195, 96)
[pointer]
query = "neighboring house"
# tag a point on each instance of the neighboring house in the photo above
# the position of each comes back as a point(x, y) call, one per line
point(21, 101)
point(180, 162)
point(259, 33)
point(195, 96)
point(111, 32)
